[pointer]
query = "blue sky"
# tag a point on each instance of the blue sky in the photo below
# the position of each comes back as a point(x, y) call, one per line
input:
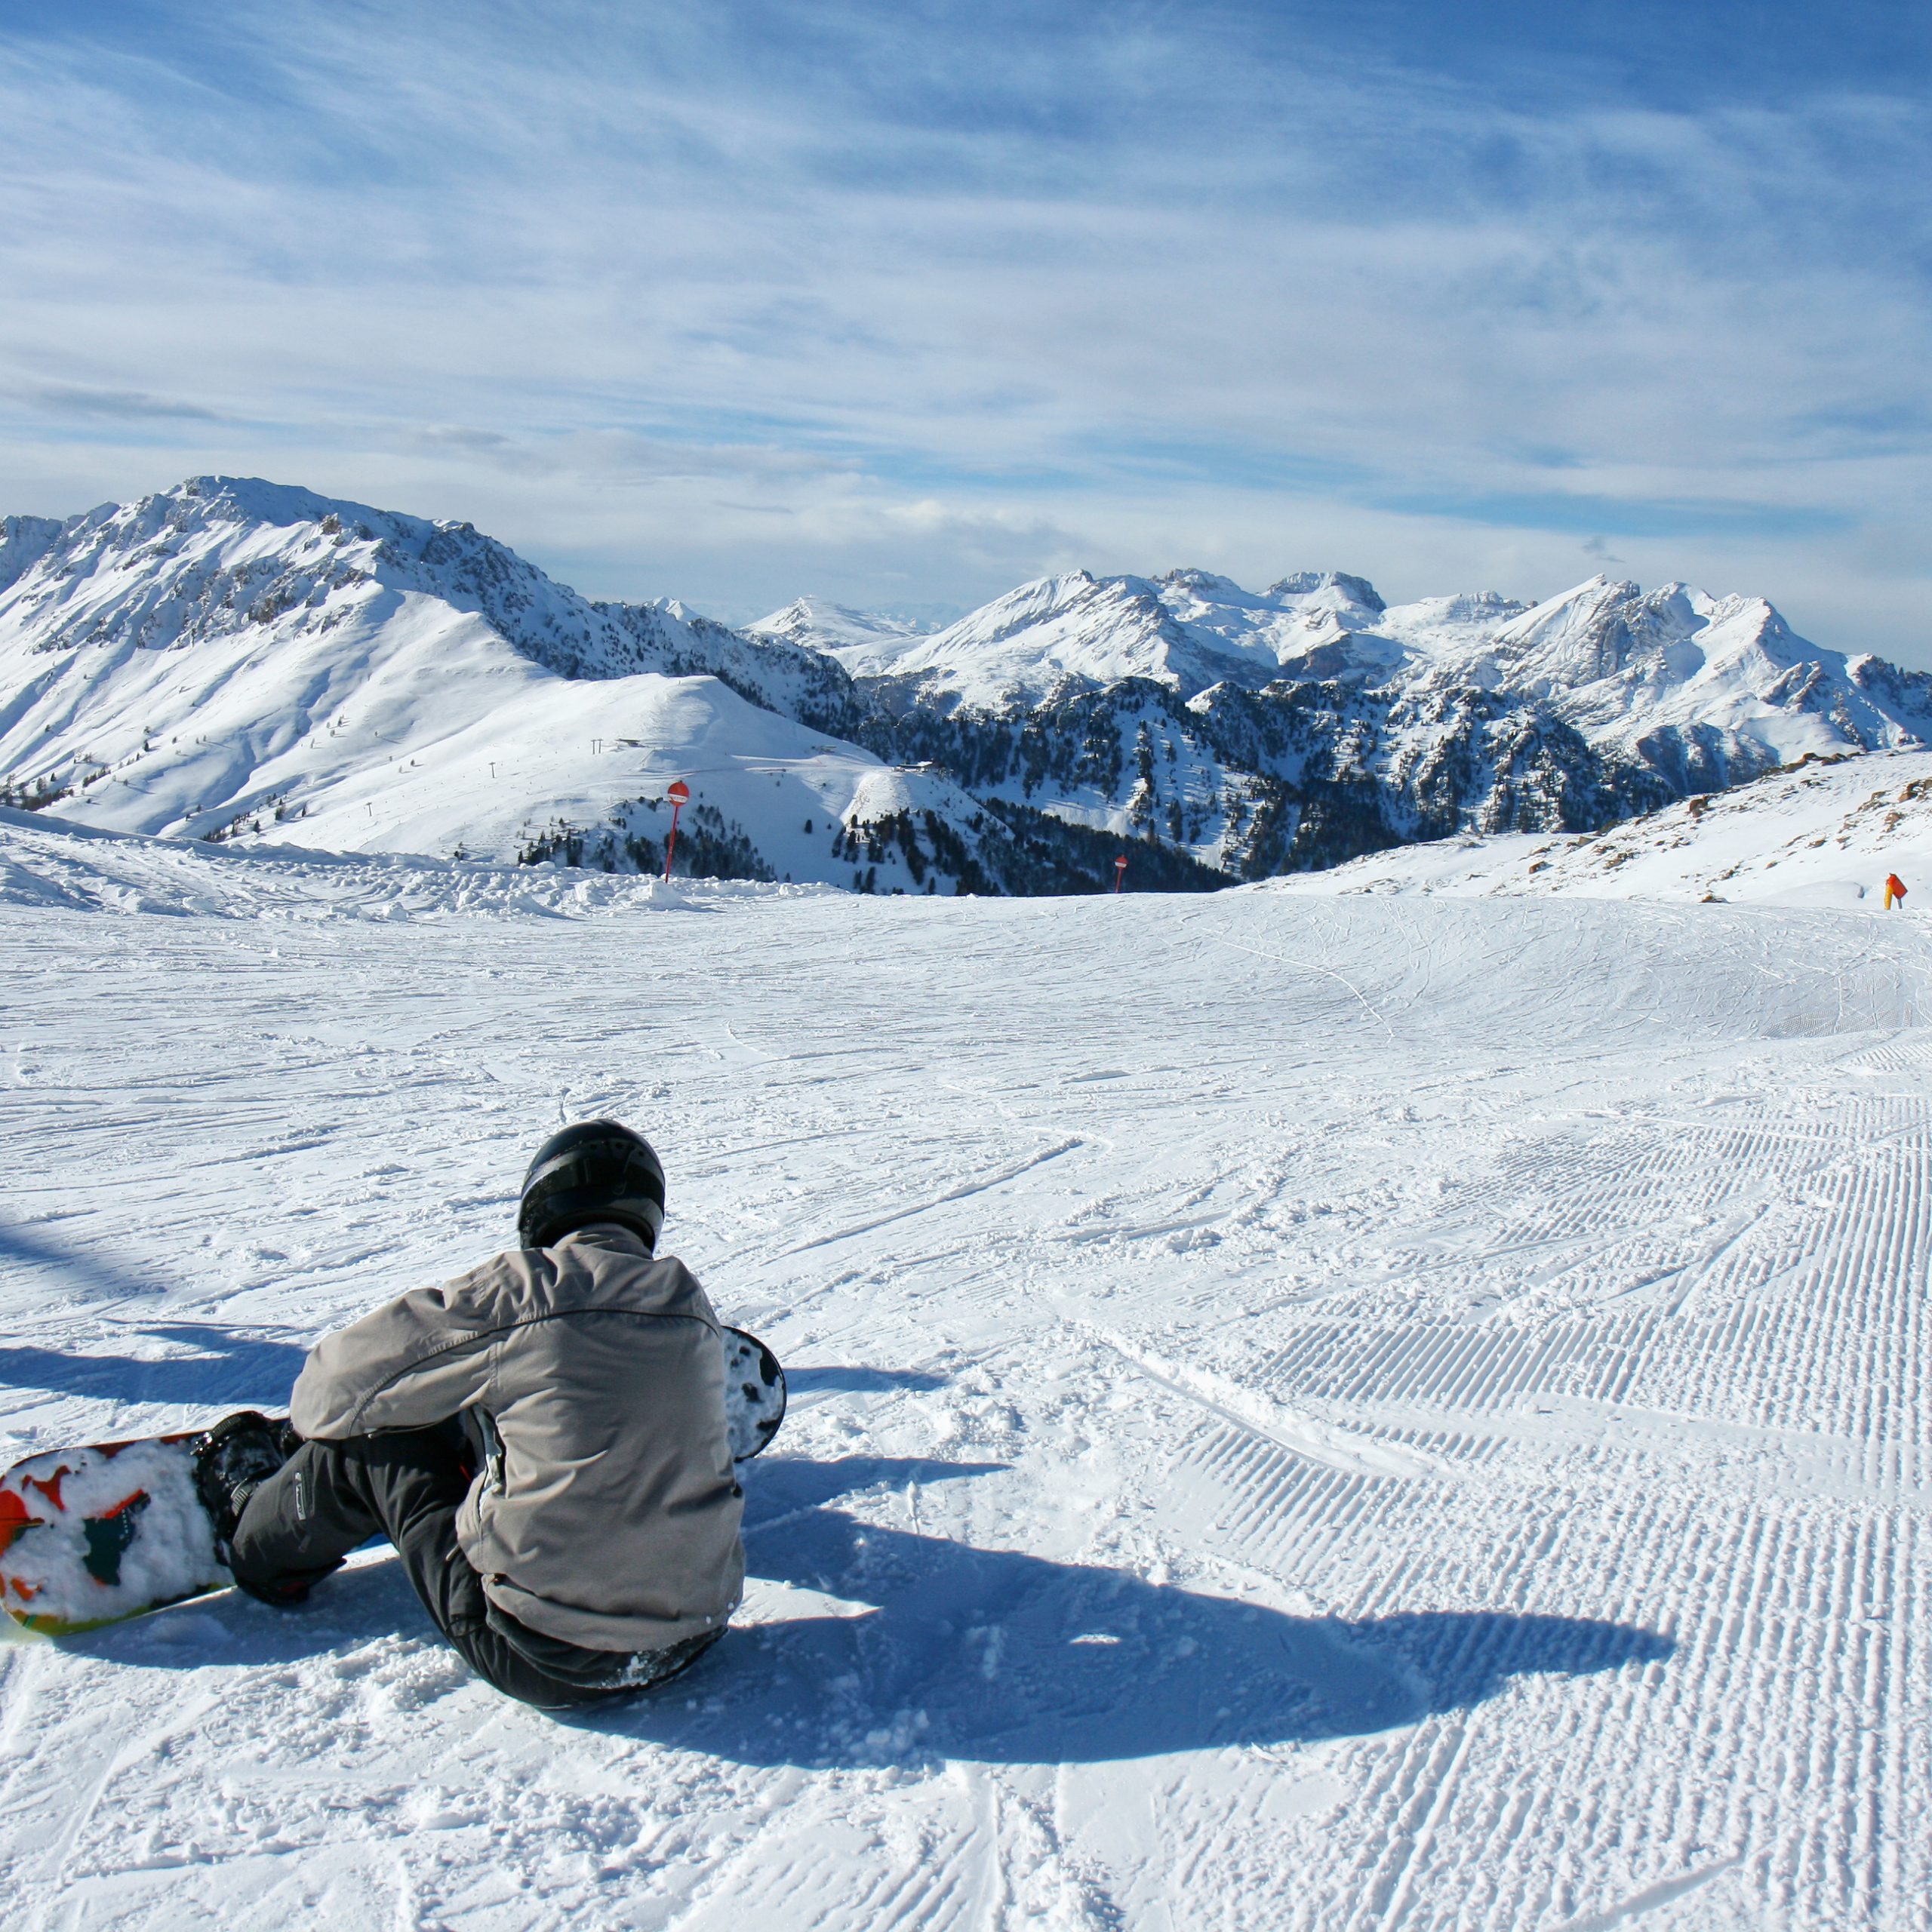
point(902, 303)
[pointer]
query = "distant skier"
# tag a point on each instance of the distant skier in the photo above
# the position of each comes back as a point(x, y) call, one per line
point(1894, 890)
point(544, 1440)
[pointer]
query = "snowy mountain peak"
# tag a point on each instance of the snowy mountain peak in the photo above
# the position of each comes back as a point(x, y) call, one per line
point(859, 640)
point(246, 512)
point(24, 540)
point(1449, 623)
point(216, 556)
point(1590, 632)
point(1705, 690)
point(1204, 584)
point(1052, 597)
point(217, 553)
point(254, 500)
point(1355, 591)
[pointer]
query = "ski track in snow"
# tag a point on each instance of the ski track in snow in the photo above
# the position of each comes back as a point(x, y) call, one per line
point(1307, 1414)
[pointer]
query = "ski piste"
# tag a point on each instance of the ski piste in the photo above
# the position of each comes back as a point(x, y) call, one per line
point(108, 1530)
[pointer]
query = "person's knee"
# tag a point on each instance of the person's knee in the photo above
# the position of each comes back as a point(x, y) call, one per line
point(272, 1559)
point(407, 1468)
point(269, 1575)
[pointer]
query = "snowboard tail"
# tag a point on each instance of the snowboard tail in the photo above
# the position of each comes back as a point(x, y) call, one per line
point(93, 1535)
point(754, 1393)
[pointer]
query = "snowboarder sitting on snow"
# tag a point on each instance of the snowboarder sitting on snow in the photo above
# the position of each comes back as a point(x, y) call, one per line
point(543, 1439)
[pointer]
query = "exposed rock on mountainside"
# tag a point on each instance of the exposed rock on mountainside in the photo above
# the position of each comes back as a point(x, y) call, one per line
point(24, 540)
point(1283, 778)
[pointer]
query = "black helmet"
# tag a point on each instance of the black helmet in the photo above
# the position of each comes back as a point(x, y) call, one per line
point(597, 1170)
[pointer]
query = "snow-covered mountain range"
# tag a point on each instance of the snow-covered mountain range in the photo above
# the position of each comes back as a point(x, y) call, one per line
point(1672, 675)
point(1189, 628)
point(1294, 728)
point(237, 659)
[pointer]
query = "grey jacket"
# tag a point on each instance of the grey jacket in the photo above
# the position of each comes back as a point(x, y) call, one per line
point(606, 1513)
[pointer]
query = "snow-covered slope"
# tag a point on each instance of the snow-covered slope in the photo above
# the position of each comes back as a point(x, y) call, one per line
point(234, 657)
point(1827, 832)
point(1306, 1416)
point(46, 861)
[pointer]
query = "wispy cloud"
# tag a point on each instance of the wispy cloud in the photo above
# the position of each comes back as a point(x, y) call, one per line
point(738, 300)
point(126, 405)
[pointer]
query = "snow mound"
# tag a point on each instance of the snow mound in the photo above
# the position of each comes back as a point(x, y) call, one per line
point(48, 862)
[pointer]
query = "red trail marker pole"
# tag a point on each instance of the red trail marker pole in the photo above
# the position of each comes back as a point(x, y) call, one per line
point(679, 794)
point(1120, 870)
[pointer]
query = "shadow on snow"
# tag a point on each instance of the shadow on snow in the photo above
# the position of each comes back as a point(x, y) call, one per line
point(858, 1381)
point(92, 1274)
point(1004, 1658)
point(228, 1368)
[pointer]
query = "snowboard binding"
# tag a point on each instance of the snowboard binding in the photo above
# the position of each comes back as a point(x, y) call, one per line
point(232, 1461)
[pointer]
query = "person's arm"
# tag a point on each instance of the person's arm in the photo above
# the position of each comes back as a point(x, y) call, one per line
point(412, 1363)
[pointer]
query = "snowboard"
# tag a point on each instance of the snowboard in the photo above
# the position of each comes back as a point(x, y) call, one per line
point(90, 1536)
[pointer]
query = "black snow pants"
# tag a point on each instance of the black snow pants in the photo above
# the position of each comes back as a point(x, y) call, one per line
point(331, 1497)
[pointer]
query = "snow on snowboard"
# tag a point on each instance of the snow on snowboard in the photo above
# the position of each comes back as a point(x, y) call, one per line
point(91, 1535)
